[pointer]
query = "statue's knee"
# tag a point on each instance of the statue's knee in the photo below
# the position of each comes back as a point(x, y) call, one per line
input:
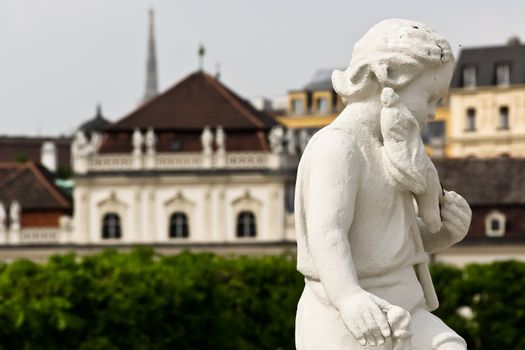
point(449, 341)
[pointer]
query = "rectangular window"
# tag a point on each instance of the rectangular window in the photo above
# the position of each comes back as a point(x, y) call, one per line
point(297, 106)
point(471, 119)
point(503, 118)
point(469, 76)
point(434, 131)
point(503, 74)
point(322, 105)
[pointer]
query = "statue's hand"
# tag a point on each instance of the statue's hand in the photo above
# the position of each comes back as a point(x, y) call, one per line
point(364, 315)
point(399, 320)
point(456, 214)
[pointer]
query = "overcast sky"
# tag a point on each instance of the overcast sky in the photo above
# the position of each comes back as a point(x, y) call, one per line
point(59, 58)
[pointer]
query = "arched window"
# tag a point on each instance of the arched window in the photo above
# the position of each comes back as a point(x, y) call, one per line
point(111, 228)
point(179, 225)
point(246, 226)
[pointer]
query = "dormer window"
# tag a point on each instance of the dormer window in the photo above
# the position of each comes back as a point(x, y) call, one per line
point(495, 223)
point(297, 106)
point(469, 76)
point(503, 74)
point(322, 105)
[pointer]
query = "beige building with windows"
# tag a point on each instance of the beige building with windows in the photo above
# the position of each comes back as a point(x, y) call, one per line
point(487, 103)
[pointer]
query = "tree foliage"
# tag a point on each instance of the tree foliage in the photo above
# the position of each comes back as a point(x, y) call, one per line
point(142, 300)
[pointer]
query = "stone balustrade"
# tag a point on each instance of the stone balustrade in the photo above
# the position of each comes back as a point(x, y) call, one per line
point(39, 235)
point(183, 161)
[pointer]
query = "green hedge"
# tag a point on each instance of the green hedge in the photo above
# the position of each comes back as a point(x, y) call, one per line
point(142, 300)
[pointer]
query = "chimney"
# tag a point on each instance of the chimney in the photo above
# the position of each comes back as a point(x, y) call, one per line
point(48, 156)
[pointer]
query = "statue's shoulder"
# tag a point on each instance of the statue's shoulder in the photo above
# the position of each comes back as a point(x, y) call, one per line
point(332, 140)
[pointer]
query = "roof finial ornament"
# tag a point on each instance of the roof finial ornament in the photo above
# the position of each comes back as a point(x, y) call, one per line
point(151, 89)
point(99, 110)
point(201, 52)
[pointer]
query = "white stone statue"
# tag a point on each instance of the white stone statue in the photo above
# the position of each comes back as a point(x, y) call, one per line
point(276, 138)
point(95, 142)
point(14, 216)
point(291, 142)
point(207, 140)
point(150, 141)
point(361, 245)
point(137, 140)
point(304, 137)
point(78, 146)
point(3, 216)
point(91, 147)
point(220, 140)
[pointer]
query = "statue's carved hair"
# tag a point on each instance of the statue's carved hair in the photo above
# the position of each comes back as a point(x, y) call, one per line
point(391, 54)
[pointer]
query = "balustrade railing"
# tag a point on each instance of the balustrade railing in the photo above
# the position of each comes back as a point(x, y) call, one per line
point(39, 236)
point(184, 161)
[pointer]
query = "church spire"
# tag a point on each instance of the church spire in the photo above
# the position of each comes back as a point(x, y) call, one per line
point(151, 88)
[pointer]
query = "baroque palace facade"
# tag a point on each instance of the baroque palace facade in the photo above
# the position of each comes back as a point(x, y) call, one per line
point(196, 164)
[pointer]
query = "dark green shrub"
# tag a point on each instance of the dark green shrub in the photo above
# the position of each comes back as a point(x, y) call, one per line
point(142, 300)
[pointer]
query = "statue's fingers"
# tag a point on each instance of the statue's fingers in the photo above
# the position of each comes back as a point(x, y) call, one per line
point(362, 341)
point(384, 305)
point(379, 336)
point(368, 321)
point(370, 340)
point(381, 321)
point(402, 344)
point(356, 331)
point(375, 330)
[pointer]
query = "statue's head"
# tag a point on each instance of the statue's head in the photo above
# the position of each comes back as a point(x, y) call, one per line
point(393, 53)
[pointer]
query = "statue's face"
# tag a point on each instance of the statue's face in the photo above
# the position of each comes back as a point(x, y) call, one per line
point(423, 93)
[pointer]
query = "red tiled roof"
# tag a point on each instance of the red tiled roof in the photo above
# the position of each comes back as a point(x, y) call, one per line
point(32, 186)
point(196, 101)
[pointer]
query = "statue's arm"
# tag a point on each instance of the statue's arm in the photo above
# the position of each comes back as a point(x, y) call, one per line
point(330, 199)
point(456, 216)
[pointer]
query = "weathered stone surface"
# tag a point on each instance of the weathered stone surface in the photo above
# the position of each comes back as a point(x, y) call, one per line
point(369, 204)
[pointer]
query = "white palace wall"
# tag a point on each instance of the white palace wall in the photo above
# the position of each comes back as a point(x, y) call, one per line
point(211, 204)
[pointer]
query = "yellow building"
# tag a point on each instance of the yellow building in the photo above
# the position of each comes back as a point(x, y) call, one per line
point(487, 102)
point(313, 106)
point(317, 104)
point(434, 134)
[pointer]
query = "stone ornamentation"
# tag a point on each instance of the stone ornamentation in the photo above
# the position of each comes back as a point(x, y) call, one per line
point(276, 139)
point(137, 139)
point(304, 137)
point(369, 206)
point(207, 140)
point(220, 140)
point(14, 216)
point(79, 144)
point(3, 216)
point(150, 141)
point(291, 142)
